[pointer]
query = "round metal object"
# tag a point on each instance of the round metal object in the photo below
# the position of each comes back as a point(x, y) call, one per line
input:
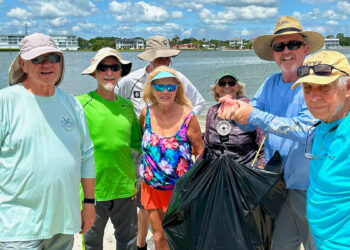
point(223, 128)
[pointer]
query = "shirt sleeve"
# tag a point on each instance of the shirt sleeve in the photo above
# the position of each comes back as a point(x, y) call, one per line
point(294, 128)
point(86, 147)
point(193, 94)
point(136, 132)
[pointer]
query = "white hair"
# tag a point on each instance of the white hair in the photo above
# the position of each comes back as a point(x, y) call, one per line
point(342, 80)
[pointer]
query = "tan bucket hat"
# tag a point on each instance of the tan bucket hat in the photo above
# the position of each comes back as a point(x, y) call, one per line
point(102, 54)
point(32, 46)
point(157, 46)
point(286, 25)
point(340, 67)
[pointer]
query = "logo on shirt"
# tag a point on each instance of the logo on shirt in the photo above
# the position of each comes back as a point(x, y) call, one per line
point(67, 124)
point(137, 94)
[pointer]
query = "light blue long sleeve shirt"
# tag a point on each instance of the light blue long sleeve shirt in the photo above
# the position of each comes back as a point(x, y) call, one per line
point(283, 113)
point(328, 195)
point(45, 150)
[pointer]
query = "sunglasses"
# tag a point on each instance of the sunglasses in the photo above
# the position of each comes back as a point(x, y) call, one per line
point(319, 69)
point(223, 83)
point(52, 58)
point(291, 45)
point(161, 87)
point(104, 67)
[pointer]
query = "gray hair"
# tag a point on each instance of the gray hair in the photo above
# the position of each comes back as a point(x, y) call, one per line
point(342, 80)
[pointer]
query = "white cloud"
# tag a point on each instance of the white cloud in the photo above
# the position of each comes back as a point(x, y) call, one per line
point(177, 14)
point(59, 21)
point(245, 32)
point(317, 14)
point(138, 12)
point(198, 4)
point(18, 13)
point(59, 8)
point(332, 22)
point(344, 6)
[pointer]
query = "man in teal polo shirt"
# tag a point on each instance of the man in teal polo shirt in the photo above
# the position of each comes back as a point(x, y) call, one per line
point(326, 85)
point(114, 130)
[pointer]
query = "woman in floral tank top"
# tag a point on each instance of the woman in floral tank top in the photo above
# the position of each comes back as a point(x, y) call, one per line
point(170, 131)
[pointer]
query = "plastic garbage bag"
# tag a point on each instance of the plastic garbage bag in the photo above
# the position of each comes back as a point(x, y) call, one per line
point(221, 204)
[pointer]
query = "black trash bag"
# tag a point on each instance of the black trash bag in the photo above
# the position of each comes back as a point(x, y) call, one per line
point(221, 204)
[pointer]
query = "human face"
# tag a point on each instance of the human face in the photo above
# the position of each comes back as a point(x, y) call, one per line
point(44, 74)
point(161, 61)
point(165, 97)
point(108, 79)
point(227, 90)
point(289, 60)
point(326, 102)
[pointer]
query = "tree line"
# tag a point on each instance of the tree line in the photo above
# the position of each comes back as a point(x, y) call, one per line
point(97, 43)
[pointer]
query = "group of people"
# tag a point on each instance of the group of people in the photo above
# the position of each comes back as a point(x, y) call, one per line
point(145, 136)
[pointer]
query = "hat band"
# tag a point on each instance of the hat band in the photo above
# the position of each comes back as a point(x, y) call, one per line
point(287, 29)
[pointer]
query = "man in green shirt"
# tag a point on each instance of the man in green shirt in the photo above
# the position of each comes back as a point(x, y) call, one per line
point(114, 130)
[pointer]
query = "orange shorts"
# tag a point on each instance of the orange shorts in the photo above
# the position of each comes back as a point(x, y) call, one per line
point(153, 198)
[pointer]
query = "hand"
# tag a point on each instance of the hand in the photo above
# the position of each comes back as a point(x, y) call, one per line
point(242, 114)
point(87, 217)
point(227, 108)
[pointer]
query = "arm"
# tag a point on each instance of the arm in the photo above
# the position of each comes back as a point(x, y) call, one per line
point(193, 94)
point(88, 211)
point(142, 118)
point(195, 136)
point(206, 134)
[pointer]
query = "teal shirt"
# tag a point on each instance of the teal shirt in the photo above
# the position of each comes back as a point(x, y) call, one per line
point(45, 150)
point(328, 195)
point(114, 130)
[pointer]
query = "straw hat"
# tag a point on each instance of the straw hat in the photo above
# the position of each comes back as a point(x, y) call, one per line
point(333, 58)
point(157, 46)
point(102, 54)
point(286, 25)
point(32, 46)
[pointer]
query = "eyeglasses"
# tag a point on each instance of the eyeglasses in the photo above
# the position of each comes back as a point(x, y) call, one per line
point(308, 147)
point(319, 69)
point(161, 87)
point(52, 58)
point(223, 83)
point(104, 67)
point(291, 45)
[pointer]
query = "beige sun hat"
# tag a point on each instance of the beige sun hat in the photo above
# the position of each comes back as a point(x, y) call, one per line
point(157, 46)
point(334, 58)
point(286, 25)
point(32, 46)
point(102, 54)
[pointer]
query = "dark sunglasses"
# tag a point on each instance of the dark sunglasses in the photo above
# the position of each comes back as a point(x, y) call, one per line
point(230, 83)
point(161, 87)
point(319, 69)
point(52, 58)
point(291, 45)
point(104, 67)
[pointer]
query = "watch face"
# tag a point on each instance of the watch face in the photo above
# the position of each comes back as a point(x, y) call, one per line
point(223, 128)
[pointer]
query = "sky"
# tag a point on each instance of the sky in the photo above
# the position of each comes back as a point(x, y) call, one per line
point(200, 19)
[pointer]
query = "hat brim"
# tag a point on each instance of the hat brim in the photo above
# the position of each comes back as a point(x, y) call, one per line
point(17, 75)
point(126, 66)
point(150, 55)
point(262, 44)
point(322, 80)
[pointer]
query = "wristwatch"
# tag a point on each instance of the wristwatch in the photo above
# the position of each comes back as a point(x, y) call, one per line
point(90, 201)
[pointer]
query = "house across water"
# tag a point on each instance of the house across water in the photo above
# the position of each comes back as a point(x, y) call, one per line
point(64, 42)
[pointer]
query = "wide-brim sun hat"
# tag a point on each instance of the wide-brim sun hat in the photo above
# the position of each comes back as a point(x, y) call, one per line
point(334, 58)
point(286, 25)
point(32, 46)
point(104, 53)
point(157, 46)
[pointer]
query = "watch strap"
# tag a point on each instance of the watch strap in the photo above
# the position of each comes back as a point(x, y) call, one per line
point(91, 201)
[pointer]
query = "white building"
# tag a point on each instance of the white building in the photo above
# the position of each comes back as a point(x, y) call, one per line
point(122, 43)
point(11, 41)
point(236, 42)
point(331, 42)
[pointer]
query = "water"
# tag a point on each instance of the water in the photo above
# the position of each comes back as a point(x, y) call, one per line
point(199, 66)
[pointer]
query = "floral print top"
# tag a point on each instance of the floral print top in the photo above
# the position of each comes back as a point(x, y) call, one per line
point(165, 159)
